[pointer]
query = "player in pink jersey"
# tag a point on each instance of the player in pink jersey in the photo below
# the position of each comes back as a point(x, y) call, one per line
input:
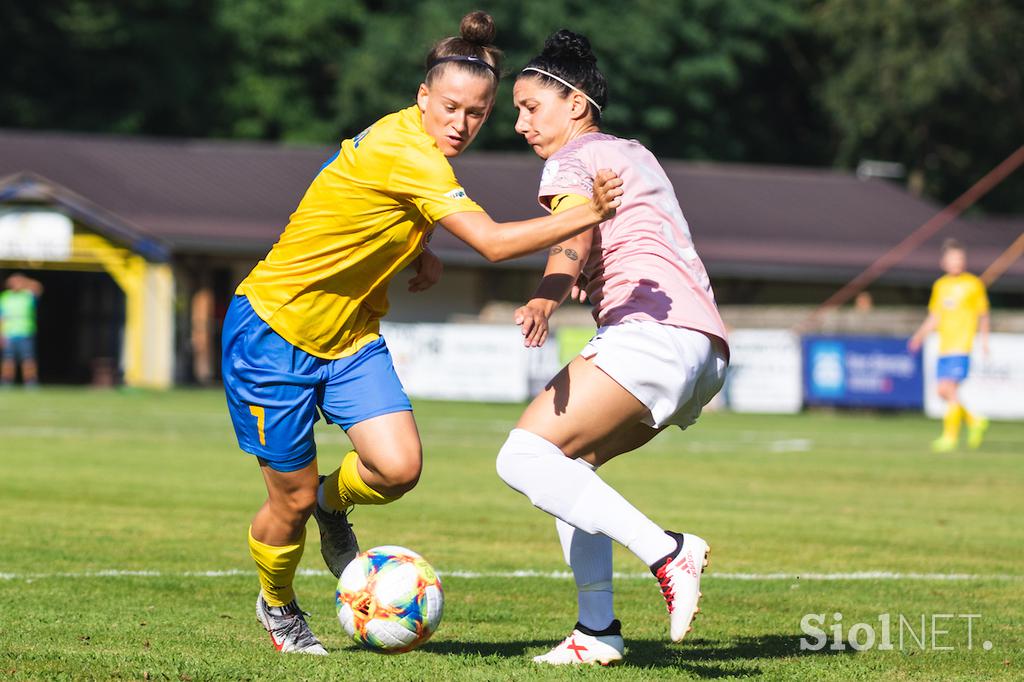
point(659, 354)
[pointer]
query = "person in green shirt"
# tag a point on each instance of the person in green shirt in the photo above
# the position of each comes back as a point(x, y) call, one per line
point(18, 329)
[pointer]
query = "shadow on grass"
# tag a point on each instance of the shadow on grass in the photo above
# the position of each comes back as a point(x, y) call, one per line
point(704, 657)
point(503, 649)
point(699, 657)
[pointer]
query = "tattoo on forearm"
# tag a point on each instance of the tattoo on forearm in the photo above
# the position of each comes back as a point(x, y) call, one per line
point(571, 254)
point(556, 250)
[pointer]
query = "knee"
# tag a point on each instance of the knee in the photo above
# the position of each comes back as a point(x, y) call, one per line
point(400, 482)
point(301, 502)
point(947, 391)
point(400, 474)
point(518, 459)
point(295, 507)
point(506, 465)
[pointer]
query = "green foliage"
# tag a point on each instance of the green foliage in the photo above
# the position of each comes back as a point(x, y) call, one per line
point(133, 66)
point(683, 73)
point(935, 85)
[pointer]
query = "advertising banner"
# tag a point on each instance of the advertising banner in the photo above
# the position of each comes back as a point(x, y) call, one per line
point(462, 361)
point(542, 364)
point(35, 235)
point(995, 383)
point(862, 371)
point(764, 372)
point(571, 340)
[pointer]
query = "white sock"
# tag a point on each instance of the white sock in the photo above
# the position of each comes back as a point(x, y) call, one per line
point(576, 494)
point(321, 499)
point(590, 557)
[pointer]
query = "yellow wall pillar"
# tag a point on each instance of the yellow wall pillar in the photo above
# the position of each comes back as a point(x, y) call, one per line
point(148, 351)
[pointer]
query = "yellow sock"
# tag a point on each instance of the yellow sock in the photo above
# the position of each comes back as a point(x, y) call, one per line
point(971, 418)
point(276, 568)
point(345, 487)
point(951, 422)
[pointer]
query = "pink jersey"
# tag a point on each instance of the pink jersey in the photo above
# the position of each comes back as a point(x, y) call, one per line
point(642, 265)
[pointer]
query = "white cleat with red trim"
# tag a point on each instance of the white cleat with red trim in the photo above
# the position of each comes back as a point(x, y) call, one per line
point(679, 576)
point(587, 647)
point(288, 629)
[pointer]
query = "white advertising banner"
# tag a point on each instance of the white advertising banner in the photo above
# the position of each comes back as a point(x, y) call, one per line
point(35, 235)
point(995, 384)
point(764, 372)
point(542, 364)
point(461, 361)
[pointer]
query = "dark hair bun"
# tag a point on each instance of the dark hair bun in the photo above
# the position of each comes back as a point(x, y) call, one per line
point(478, 28)
point(566, 45)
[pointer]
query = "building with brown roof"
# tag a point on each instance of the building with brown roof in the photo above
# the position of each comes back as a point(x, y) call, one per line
point(164, 229)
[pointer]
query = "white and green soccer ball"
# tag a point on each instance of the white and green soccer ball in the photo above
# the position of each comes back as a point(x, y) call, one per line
point(389, 599)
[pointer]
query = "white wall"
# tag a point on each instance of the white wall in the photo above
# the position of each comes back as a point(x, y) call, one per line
point(458, 293)
point(995, 385)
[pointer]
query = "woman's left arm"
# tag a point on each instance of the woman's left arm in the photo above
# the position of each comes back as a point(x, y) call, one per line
point(565, 263)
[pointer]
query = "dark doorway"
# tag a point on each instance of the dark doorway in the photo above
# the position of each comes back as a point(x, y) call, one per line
point(80, 324)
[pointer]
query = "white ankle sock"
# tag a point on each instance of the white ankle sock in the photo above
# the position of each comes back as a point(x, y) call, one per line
point(576, 494)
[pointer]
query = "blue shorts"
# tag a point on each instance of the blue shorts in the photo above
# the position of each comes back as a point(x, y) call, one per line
point(19, 348)
point(274, 389)
point(953, 367)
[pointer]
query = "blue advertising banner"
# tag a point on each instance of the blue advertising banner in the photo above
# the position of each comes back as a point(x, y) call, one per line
point(862, 371)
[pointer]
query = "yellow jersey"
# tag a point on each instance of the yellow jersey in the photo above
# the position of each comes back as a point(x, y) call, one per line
point(957, 302)
point(323, 286)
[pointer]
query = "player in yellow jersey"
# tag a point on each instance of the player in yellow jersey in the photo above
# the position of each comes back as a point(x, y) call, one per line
point(958, 309)
point(302, 334)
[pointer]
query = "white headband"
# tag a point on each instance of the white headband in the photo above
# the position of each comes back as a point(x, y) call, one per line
point(565, 83)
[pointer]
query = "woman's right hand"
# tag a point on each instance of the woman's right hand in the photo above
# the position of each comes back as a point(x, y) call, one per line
point(534, 323)
point(607, 195)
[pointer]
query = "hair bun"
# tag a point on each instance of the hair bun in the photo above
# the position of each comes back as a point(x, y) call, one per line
point(567, 45)
point(478, 28)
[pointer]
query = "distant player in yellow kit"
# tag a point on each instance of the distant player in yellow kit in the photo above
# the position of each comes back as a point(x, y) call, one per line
point(958, 309)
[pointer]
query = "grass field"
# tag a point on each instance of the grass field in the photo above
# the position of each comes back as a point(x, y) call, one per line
point(124, 556)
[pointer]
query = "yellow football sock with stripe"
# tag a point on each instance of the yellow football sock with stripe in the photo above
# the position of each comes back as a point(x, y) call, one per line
point(951, 422)
point(276, 568)
point(344, 487)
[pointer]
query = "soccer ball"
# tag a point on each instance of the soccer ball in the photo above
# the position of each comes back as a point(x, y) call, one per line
point(389, 599)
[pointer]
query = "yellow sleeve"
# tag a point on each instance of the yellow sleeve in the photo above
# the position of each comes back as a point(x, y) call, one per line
point(934, 307)
point(981, 299)
point(428, 182)
point(563, 202)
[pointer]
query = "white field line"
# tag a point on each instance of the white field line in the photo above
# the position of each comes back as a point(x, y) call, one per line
point(551, 575)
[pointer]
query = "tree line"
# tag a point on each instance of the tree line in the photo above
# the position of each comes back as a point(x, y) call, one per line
point(937, 86)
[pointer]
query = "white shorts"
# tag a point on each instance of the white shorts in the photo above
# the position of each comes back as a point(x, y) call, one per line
point(674, 371)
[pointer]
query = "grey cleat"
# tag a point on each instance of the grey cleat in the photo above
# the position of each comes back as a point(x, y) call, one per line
point(338, 543)
point(288, 629)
